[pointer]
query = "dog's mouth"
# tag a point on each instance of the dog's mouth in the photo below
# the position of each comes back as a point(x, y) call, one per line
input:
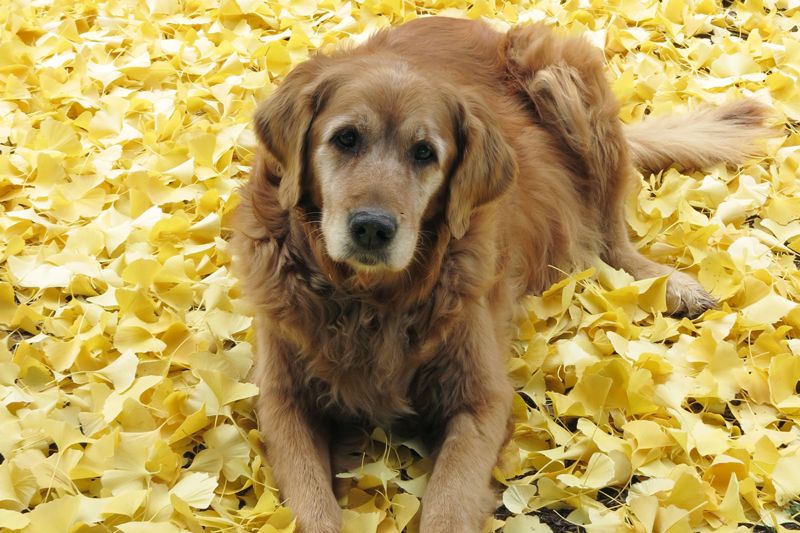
point(365, 260)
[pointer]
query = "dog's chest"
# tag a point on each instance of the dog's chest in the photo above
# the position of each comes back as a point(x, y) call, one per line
point(363, 361)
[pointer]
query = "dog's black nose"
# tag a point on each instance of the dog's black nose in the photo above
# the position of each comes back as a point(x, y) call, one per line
point(372, 229)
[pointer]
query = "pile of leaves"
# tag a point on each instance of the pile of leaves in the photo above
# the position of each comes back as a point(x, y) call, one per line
point(124, 399)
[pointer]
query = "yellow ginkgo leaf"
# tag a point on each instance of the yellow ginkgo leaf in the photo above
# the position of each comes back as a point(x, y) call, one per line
point(525, 524)
point(785, 478)
point(149, 527)
point(354, 522)
point(517, 497)
point(599, 473)
point(13, 520)
point(404, 507)
point(195, 489)
point(769, 309)
point(137, 340)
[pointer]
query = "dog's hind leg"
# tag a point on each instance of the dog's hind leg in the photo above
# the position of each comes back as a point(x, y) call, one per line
point(565, 81)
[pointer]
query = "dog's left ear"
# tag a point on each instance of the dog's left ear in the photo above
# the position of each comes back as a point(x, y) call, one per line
point(485, 164)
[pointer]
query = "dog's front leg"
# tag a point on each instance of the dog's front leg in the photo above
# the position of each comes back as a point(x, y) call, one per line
point(297, 442)
point(459, 496)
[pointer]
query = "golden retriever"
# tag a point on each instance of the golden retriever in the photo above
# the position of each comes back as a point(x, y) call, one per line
point(405, 192)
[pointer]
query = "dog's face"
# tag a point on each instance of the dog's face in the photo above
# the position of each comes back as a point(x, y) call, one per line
point(379, 151)
point(372, 145)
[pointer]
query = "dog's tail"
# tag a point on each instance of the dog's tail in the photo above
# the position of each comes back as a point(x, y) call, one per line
point(727, 133)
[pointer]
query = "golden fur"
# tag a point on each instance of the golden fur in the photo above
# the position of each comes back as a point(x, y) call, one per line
point(530, 170)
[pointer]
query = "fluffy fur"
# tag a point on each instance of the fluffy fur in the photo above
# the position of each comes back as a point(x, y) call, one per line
point(531, 168)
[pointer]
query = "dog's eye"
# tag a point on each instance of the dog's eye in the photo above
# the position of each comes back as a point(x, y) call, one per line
point(423, 152)
point(346, 139)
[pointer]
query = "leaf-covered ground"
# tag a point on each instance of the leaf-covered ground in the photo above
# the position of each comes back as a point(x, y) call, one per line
point(124, 400)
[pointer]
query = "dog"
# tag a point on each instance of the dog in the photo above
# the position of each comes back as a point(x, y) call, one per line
point(405, 192)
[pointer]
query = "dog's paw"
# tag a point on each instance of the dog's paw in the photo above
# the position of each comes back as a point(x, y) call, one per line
point(686, 297)
point(319, 517)
point(446, 525)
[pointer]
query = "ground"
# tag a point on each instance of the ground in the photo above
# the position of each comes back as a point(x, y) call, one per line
point(124, 400)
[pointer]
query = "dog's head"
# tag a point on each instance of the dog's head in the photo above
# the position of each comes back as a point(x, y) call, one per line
point(372, 143)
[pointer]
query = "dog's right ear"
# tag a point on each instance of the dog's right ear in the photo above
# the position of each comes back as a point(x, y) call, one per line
point(282, 123)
